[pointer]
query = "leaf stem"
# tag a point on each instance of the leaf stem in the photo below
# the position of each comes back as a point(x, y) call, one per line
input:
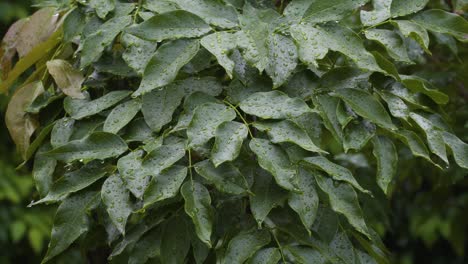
point(240, 116)
point(279, 244)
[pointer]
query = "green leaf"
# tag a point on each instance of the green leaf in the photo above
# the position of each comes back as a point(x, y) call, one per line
point(282, 54)
point(71, 220)
point(117, 201)
point(312, 40)
point(267, 195)
point(412, 30)
point(163, 67)
point(458, 147)
point(327, 106)
point(121, 115)
point(397, 107)
point(99, 145)
point(165, 185)
point(356, 135)
point(21, 125)
point(229, 137)
point(403, 7)
point(171, 25)
point(245, 245)
point(137, 52)
point(274, 105)
point(198, 207)
point(159, 106)
point(79, 109)
point(330, 10)
point(434, 136)
point(43, 170)
point(380, 13)
point(206, 119)
point(175, 245)
point(288, 131)
point(212, 11)
point(226, 178)
point(387, 161)
point(414, 142)
point(206, 84)
point(305, 204)
point(220, 44)
point(74, 181)
point(94, 44)
point(395, 46)
point(67, 78)
point(341, 246)
point(443, 22)
point(148, 247)
point(102, 7)
point(190, 104)
point(62, 131)
point(130, 169)
point(163, 157)
point(419, 85)
point(365, 105)
point(266, 256)
point(73, 24)
point(343, 200)
point(336, 171)
point(274, 159)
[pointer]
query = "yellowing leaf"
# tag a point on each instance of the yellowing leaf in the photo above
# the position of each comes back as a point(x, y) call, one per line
point(67, 78)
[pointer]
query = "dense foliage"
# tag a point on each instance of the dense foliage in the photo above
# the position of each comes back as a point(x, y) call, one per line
point(227, 131)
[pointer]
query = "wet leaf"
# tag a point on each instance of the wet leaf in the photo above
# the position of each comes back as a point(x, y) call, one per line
point(67, 78)
point(273, 105)
point(229, 137)
point(117, 201)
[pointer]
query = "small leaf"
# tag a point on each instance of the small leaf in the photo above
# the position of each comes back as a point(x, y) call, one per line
point(365, 105)
point(387, 161)
point(273, 159)
point(458, 147)
point(266, 256)
point(175, 245)
point(288, 131)
point(220, 44)
point(99, 145)
point(67, 78)
point(198, 207)
point(282, 54)
point(121, 115)
point(212, 11)
point(79, 109)
point(117, 201)
point(74, 181)
point(165, 185)
point(443, 22)
point(206, 119)
point(20, 124)
point(245, 245)
point(171, 25)
point(305, 204)
point(70, 222)
point(95, 43)
point(274, 105)
point(226, 178)
point(267, 195)
point(166, 62)
point(336, 171)
point(228, 142)
point(343, 200)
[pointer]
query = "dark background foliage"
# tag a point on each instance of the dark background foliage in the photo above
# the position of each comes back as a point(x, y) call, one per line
point(427, 213)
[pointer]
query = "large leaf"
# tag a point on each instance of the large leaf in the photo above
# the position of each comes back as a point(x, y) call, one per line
point(198, 207)
point(117, 201)
point(20, 124)
point(343, 200)
point(94, 44)
point(137, 52)
point(99, 145)
point(282, 54)
point(288, 131)
point(245, 245)
point(365, 105)
point(443, 22)
point(228, 142)
point(274, 105)
point(212, 11)
point(387, 161)
point(159, 106)
point(171, 25)
point(67, 78)
point(163, 67)
point(336, 171)
point(81, 108)
point(130, 169)
point(206, 119)
point(165, 185)
point(220, 44)
point(71, 220)
point(226, 178)
point(274, 159)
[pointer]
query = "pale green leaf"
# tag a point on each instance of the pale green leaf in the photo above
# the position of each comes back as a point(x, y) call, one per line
point(273, 105)
point(228, 142)
point(220, 44)
point(81, 108)
point(165, 185)
point(137, 52)
point(226, 178)
point(387, 161)
point(117, 201)
point(198, 207)
point(245, 245)
point(282, 58)
point(404, 7)
point(165, 64)
point(330, 10)
point(121, 115)
point(171, 25)
point(380, 13)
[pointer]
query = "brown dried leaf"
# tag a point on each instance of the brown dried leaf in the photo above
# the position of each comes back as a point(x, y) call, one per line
point(67, 78)
point(8, 47)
